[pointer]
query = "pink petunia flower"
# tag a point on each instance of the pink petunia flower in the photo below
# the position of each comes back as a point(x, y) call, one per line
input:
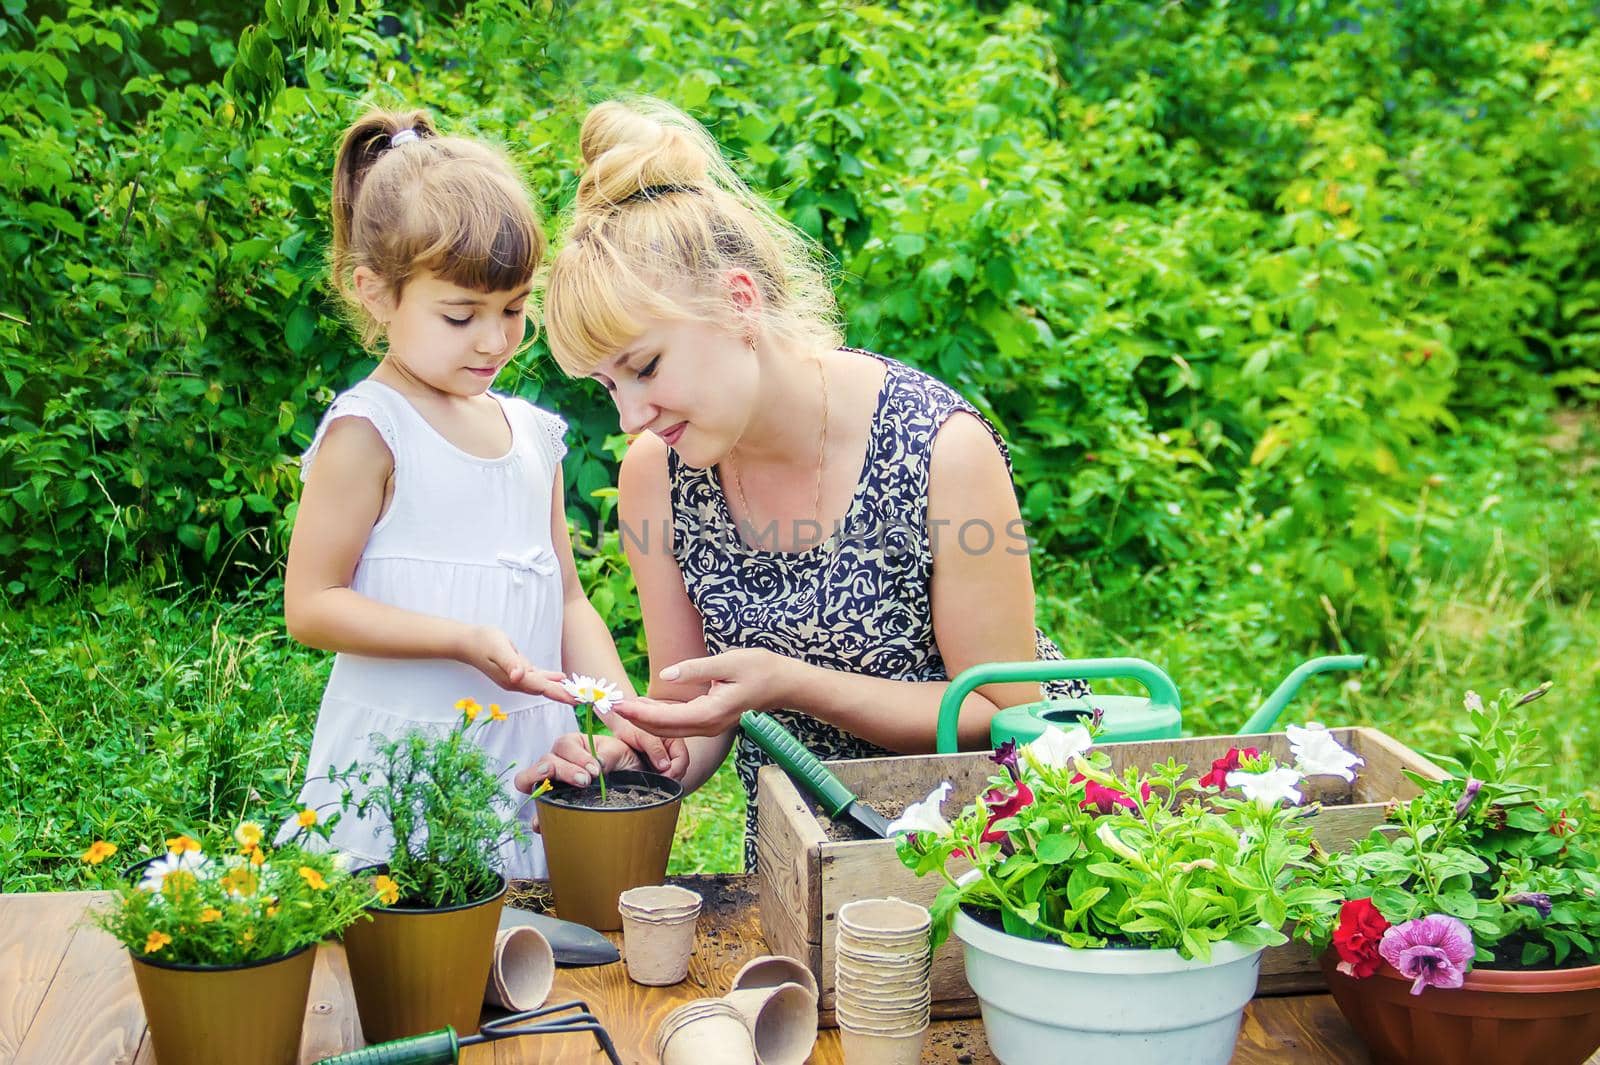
point(1432, 951)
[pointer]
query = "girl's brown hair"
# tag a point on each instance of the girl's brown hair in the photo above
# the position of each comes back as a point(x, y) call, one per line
point(659, 220)
point(448, 205)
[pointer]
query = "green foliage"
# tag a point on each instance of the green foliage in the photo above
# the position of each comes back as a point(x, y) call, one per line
point(445, 808)
point(215, 903)
point(1488, 846)
point(1148, 859)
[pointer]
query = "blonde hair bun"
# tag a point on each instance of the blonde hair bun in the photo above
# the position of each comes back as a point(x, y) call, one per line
point(629, 148)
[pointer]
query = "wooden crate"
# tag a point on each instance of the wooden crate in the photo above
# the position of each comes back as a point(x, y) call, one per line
point(805, 877)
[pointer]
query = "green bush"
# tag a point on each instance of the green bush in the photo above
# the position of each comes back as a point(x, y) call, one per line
point(1226, 278)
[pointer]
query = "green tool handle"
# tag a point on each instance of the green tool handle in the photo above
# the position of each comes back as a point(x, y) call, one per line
point(1163, 693)
point(798, 762)
point(431, 1048)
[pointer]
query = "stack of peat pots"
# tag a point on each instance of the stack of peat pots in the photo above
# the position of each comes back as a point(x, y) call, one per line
point(881, 981)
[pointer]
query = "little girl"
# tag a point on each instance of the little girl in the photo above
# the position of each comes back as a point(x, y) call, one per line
point(430, 549)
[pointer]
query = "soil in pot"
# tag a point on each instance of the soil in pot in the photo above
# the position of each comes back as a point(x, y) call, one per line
point(597, 853)
point(616, 797)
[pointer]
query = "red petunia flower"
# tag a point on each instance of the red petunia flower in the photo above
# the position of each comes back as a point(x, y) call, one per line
point(1001, 806)
point(1104, 800)
point(1356, 938)
point(1228, 763)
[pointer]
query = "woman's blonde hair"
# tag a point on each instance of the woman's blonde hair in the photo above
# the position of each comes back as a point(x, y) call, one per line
point(449, 205)
point(659, 220)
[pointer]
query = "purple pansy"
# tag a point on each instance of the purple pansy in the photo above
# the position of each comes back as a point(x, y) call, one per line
point(1432, 951)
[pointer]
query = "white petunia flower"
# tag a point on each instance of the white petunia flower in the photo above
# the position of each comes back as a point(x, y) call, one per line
point(1317, 753)
point(924, 816)
point(1056, 748)
point(1269, 788)
point(594, 692)
point(156, 873)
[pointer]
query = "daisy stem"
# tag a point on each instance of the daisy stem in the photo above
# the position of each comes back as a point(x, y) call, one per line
point(588, 733)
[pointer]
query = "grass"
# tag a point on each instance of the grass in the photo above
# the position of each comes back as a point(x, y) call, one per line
point(128, 713)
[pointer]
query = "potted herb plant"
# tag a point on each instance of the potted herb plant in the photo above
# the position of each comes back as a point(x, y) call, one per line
point(1467, 928)
point(610, 836)
point(1123, 916)
point(217, 931)
point(423, 960)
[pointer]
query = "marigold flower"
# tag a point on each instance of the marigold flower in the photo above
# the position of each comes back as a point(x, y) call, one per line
point(209, 914)
point(155, 941)
point(178, 881)
point(469, 707)
point(313, 878)
point(257, 856)
point(182, 845)
point(248, 936)
point(495, 713)
point(240, 881)
point(272, 911)
point(249, 835)
point(388, 890)
point(99, 851)
point(307, 817)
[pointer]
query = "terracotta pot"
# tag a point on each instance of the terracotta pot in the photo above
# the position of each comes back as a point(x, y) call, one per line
point(195, 1011)
point(415, 971)
point(596, 855)
point(1538, 1017)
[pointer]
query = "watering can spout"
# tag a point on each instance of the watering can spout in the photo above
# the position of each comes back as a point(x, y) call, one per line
point(1267, 716)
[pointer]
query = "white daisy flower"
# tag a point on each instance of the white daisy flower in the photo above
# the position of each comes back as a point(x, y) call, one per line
point(155, 874)
point(594, 692)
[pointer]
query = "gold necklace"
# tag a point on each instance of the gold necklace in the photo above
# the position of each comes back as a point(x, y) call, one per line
point(816, 495)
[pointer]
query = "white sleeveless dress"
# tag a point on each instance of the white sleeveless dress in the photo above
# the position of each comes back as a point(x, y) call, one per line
point(465, 538)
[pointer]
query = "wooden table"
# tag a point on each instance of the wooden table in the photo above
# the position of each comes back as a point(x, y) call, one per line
point(67, 997)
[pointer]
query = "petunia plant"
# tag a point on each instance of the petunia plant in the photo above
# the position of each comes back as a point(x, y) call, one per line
point(446, 806)
point(595, 698)
point(1066, 850)
point(1482, 869)
point(230, 901)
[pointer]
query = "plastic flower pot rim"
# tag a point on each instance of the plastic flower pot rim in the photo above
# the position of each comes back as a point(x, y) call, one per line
point(1108, 960)
point(383, 867)
point(188, 967)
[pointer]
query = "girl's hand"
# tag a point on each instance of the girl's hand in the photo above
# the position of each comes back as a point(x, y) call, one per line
point(745, 679)
point(570, 762)
point(491, 652)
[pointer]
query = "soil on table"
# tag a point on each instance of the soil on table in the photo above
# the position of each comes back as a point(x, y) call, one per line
point(617, 797)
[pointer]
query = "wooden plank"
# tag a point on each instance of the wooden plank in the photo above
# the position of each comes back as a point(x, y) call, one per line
point(34, 933)
point(787, 842)
point(91, 1012)
point(332, 1024)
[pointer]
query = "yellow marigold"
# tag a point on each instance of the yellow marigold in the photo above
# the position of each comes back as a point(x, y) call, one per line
point(469, 707)
point(155, 941)
point(306, 817)
point(99, 851)
point(248, 936)
point(177, 882)
point(312, 877)
point(388, 890)
point(210, 914)
point(257, 856)
point(249, 835)
point(182, 844)
point(495, 713)
point(272, 911)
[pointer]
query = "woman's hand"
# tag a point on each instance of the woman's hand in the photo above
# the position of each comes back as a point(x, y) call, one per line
point(491, 652)
point(745, 679)
point(570, 761)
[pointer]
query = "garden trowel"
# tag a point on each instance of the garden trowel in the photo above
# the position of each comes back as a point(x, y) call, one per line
point(837, 800)
point(573, 944)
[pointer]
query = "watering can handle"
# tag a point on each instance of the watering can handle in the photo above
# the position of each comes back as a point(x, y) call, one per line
point(1163, 693)
point(1267, 715)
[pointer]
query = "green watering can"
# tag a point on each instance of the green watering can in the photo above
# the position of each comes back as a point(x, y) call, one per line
point(1126, 717)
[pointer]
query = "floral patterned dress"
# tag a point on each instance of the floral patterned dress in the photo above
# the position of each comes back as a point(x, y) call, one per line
point(860, 601)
